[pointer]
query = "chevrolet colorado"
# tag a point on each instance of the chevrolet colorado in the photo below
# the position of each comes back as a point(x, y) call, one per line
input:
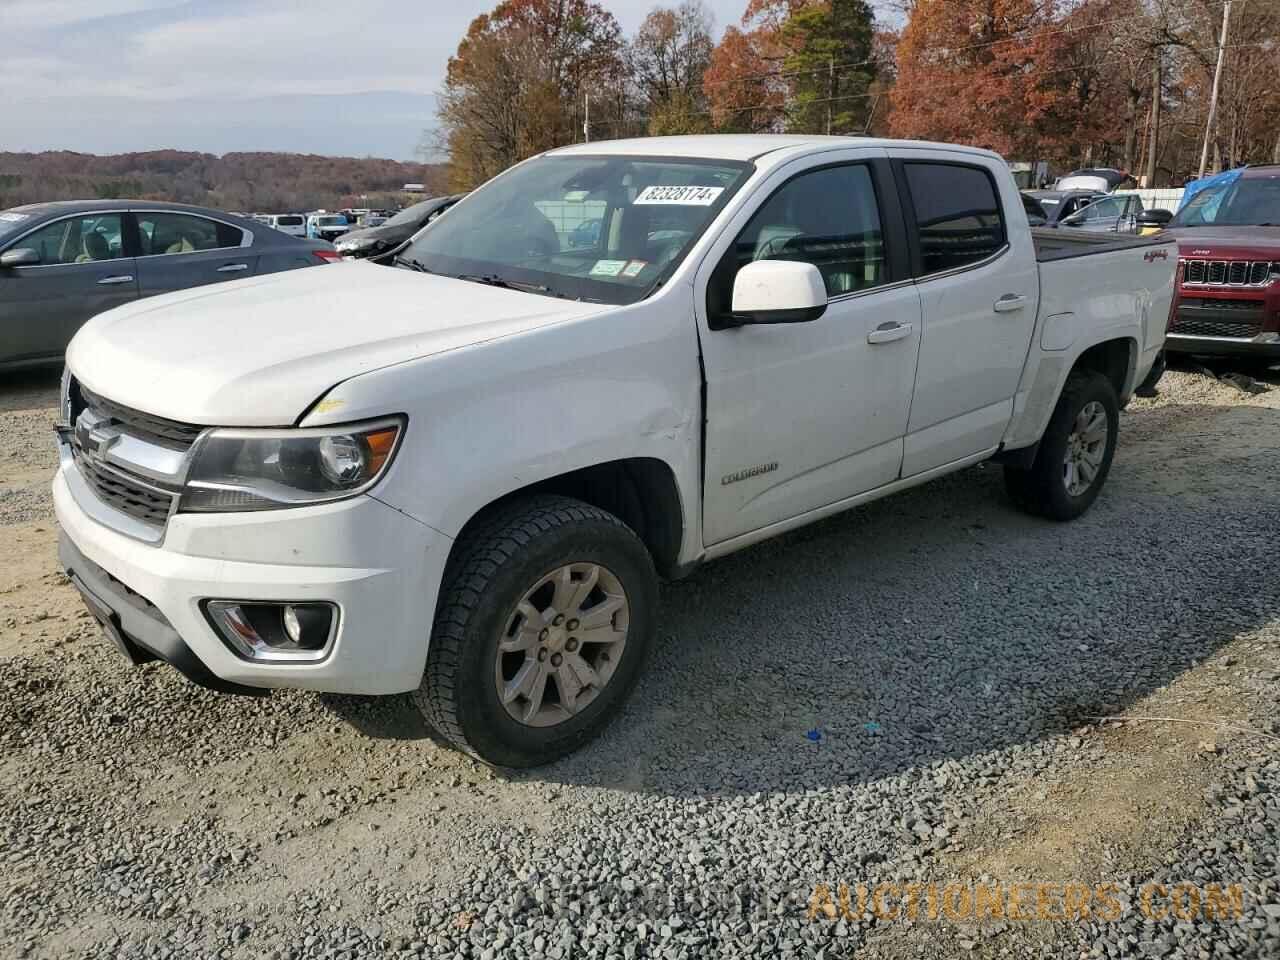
point(462, 477)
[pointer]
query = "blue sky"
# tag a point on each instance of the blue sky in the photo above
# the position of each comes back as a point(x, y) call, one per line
point(343, 77)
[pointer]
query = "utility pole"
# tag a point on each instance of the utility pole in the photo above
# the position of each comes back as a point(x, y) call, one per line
point(1217, 81)
point(586, 117)
point(831, 89)
point(1155, 119)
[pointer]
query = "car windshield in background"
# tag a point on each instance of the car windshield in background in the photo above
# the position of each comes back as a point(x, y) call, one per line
point(333, 221)
point(412, 214)
point(1247, 201)
point(11, 221)
point(604, 229)
point(289, 221)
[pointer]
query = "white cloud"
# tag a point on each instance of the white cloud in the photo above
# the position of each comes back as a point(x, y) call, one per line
point(46, 14)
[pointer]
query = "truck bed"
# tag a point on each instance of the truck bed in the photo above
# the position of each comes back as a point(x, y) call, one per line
point(1062, 244)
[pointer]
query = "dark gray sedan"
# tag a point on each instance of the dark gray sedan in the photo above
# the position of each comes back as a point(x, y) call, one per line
point(64, 262)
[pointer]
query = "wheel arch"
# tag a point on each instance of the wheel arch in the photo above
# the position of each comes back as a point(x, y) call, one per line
point(1115, 359)
point(642, 492)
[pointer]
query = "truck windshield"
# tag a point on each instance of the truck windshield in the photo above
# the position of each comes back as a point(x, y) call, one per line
point(598, 228)
point(1246, 201)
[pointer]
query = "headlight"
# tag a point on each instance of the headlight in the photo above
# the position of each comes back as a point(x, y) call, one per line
point(270, 469)
point(357, 243)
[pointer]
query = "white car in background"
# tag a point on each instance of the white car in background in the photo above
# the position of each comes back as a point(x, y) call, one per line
point(294, 224)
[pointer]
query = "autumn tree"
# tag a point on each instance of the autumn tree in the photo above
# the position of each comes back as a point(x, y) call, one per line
point(968, 69)
point(516, 83)
point(667, 60)
point(829, 65)
point(794, 65)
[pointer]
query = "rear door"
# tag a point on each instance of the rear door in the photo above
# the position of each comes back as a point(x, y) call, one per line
point(182, 250)
point(976, 272)
point(84, 269)
point(802, 415)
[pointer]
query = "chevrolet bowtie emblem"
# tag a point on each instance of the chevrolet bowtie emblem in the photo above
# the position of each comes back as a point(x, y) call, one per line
point(95, 435)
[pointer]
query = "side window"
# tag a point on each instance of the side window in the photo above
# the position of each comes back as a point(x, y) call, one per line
point(162, 233)
point(77, 240)
point(957, 214)
point(1104, 209)
point(827, 217)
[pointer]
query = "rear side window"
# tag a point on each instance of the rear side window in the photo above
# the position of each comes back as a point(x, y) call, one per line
point(957, 214)
point(170, 233)
point(289, 221)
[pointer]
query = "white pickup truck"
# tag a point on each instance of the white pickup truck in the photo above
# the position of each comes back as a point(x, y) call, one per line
point(462, 477)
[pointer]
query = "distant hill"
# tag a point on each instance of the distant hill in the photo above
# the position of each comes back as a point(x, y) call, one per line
point(250, 182)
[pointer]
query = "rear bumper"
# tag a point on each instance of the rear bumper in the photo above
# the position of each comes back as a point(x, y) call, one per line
point(1264, 346)
point(381, 568)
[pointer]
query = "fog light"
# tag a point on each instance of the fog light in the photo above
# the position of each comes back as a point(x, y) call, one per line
point(285, 632)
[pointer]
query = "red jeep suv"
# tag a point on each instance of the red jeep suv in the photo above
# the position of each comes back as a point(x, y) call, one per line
point(1228, 297)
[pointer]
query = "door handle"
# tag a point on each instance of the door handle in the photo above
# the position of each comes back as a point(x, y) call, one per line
point(233, 268)
point(889, 332)
point(1009, 302)
point(112, 281)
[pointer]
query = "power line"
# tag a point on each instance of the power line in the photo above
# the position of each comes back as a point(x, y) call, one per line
point(783, 74)
point(732, 111)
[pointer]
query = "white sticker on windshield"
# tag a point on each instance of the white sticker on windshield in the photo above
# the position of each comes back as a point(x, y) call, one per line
point(608, 268)
point(14, 217)
point(634, 268)
point(685, 196)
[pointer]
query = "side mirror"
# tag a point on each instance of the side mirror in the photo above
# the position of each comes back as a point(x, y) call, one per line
point(1155, 217)
point(778, 291)
point(21, 257)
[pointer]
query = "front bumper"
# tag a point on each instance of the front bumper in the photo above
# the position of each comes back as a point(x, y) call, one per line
point(1265, 346)
point(379, 566)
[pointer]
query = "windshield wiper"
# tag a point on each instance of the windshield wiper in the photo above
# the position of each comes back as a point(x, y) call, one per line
point(411, 264)
point(492, 280)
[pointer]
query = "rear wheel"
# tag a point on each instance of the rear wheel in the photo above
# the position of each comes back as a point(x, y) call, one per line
point(543, 625)
point(1075, 452)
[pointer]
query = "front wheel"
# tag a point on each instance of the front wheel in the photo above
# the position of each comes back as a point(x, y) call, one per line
point(1075, 452)
point(545, 617)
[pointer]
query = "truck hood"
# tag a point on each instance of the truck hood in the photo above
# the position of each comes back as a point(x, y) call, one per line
point(260, 351)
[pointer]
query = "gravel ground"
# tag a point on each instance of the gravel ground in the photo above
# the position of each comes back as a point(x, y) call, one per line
point(910, 693)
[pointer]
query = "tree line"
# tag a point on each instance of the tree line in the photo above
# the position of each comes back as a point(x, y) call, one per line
point(249, 182)
point(1122, 83)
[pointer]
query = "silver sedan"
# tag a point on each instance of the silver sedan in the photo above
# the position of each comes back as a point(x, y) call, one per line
point(64, 262)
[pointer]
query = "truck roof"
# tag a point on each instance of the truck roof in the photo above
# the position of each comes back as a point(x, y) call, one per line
point(735, 146)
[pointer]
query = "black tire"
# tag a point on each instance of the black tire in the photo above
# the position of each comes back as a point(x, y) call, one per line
point(1041, 490)
point(491, 570)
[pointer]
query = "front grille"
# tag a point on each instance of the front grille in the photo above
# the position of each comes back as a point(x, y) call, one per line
point(125, 494)
point(1228, 273)
point(145, 426)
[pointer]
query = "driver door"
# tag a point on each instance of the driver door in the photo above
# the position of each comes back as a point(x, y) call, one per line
point(803, 415)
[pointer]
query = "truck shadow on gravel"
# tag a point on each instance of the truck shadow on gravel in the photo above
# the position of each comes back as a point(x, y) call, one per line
point(941, 623)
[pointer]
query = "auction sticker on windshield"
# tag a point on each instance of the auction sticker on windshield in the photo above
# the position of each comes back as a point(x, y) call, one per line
point(685, 196)
point(608, 268)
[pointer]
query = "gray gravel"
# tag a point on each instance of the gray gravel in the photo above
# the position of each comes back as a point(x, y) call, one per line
point(905, 693)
